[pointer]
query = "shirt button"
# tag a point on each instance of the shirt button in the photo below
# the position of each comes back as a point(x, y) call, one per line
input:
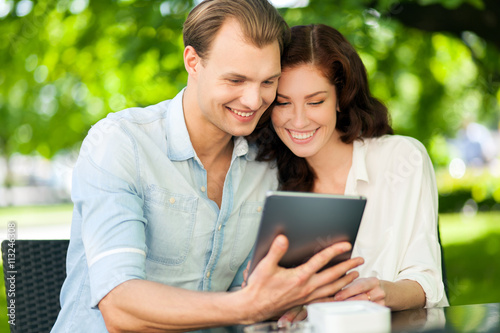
point(220, 226)
point(208, 275)
point(172, 200)
point(259, 209)
point(203, 188)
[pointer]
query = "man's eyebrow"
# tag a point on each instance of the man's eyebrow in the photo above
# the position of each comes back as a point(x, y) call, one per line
point(235, 75)
point(277, 75)
point(243, 77)
point(308, 96)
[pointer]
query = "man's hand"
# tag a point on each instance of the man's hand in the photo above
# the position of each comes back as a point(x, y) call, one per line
point(272, 290)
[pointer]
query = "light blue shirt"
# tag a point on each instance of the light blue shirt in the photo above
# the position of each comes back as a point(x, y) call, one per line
point(141, 211)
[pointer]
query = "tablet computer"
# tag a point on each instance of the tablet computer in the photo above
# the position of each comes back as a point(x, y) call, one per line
point(310, 221)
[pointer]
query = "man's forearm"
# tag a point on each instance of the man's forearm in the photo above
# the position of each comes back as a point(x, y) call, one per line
point(146, 306)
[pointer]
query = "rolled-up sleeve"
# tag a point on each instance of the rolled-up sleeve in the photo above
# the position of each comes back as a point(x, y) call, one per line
point(108, 196)
point(421, 253)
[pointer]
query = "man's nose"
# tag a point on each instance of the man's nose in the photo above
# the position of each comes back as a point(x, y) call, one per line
point(252, 97)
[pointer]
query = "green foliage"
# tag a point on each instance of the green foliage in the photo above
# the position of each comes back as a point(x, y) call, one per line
point(64, 68)
point(66, 64)
point(478, 185)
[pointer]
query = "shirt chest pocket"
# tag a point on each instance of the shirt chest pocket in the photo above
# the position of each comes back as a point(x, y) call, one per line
point(245, 233)
point(171, 220)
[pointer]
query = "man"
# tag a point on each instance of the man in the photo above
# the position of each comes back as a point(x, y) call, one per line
point(168, 198)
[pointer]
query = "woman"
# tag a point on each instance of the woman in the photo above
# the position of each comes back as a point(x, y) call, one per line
point(329, 135)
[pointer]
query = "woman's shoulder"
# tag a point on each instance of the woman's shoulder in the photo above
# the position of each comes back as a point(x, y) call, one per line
point(393, 151)
point(395, 144)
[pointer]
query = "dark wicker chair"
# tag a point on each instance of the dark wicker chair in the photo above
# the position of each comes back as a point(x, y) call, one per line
point(40, 270)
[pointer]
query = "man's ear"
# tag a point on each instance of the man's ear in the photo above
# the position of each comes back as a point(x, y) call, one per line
point(191, 60)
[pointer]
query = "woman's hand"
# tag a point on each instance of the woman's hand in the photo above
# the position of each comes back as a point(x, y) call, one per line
point(399, 295)
point(293, 315)
point(364, 289)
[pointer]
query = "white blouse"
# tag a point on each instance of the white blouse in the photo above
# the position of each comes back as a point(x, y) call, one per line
point(398, 233)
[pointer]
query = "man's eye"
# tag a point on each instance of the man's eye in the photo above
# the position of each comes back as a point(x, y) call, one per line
point(235, 81)
point(268, 83)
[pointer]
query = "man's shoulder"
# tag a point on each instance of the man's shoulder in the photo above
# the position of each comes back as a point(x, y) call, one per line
point(140, 115)
point(133, 119)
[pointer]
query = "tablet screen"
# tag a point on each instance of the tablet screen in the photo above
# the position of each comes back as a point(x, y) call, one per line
point(311, 222)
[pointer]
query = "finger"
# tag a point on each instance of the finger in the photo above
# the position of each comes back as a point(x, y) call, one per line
point(330, 289)
point(276, 252)
point(350, 291)
point(360, 286)
point(245, 272)
point(377, 295)
point(320, 259)
point(335, 272)
point(301, 315)
point(358, 297)
point(290, 316)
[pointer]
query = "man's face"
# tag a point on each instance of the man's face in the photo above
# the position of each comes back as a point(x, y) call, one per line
point(236, 82)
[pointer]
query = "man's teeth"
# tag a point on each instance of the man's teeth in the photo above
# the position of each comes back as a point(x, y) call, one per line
point(242, 114)
point(302, 136)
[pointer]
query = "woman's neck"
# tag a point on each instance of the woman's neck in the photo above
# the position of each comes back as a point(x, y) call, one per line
point(331, 166)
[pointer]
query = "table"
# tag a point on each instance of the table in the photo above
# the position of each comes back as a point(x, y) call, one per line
point(471, 318)
point(460, 318)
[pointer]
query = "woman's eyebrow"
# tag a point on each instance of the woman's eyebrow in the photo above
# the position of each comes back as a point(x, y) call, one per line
point(316, 93)
point(308, 96)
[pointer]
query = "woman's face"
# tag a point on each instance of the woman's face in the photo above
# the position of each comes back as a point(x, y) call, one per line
point(304, 116)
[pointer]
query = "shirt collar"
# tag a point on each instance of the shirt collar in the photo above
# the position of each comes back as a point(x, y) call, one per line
point(359, 160)
point(241, 148)
point(179, 146)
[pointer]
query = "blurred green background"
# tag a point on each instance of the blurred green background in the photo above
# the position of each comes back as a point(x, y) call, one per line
point(435, 63)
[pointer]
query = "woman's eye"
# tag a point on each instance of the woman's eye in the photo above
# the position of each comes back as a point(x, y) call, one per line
point(281, 103)
point(316, 103)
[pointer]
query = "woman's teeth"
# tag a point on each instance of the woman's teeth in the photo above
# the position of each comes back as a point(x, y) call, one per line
point(302, 136)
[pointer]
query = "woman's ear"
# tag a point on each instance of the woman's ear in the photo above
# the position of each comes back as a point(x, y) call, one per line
point(191, 60)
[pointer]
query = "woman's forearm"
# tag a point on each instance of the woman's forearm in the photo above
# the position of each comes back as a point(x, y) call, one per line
point(403, 295)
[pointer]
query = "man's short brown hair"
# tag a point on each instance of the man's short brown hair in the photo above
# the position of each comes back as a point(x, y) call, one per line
point(259, 20)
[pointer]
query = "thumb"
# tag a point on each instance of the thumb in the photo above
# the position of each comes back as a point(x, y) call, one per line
point(277, 251)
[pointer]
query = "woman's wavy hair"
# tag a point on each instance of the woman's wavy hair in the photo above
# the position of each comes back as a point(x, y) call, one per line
point(361, 115)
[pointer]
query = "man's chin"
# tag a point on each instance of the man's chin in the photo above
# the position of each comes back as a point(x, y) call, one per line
point(243, 130)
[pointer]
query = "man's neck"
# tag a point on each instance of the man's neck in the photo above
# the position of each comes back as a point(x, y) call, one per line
point(209, 142)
